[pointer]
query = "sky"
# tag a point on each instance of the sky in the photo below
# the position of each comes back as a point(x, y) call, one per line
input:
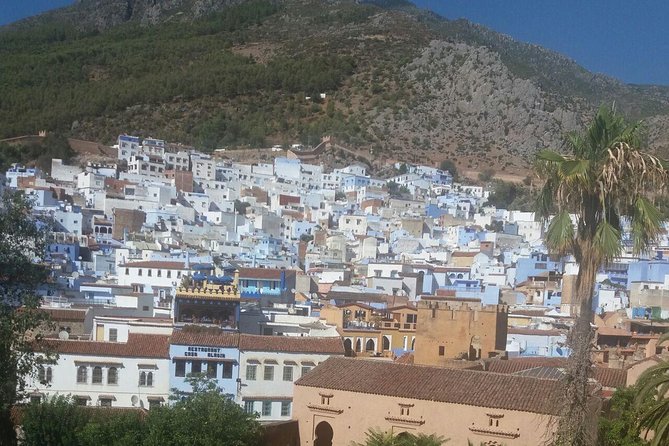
point(625, 39)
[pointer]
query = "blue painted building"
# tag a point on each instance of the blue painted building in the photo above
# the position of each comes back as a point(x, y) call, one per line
point(269, 285)
point(647, 271)
point(536, 264)
point(206, 352)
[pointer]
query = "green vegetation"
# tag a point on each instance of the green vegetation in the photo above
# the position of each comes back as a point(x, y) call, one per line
point(24, 239)
point(450, 167)
point(652, 400)
point(620, 425)
point(604, 179)
point(376, 437)
point(36, 153)
point(204, 418)
point(507, 195)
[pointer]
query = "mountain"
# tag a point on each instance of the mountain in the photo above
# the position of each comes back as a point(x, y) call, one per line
point(383, 77)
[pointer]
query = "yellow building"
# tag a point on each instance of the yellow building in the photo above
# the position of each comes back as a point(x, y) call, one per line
point(209, 300)
point(451, 328)
point(338, 401)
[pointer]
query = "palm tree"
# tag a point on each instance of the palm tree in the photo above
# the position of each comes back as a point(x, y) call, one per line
point(654, 384)
point(605, 181)
point(377, 437)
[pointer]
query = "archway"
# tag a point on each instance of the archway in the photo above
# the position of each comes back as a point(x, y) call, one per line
point(348, 346)
point(385, 343)
point(405, 436)
point(369, 346)
point(324, 434)
point(413, 344)
point(358, 345)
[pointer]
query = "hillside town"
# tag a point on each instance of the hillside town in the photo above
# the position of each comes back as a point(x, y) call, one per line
point(323, 298)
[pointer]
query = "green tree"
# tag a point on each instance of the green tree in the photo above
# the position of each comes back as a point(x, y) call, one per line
point(23, 246)
point(450, 167)
point(654, 386)
point(206, 417)
point(376, 437)
point(54, 422)
point(620, 426)
point(603, 179)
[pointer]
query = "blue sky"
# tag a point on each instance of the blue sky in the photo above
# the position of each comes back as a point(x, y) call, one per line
point(622, 38)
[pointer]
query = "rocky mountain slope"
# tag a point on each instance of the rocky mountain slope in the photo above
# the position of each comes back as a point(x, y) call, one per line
point(398, 82)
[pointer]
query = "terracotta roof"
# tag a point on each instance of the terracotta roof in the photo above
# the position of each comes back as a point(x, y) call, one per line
point(610, 331)
point(447, 385)
point(538, 366)
point(222, 339)
point(465, 253)
point(607, 377)
point(296, 344)
point(60, 314)
point(138, 346)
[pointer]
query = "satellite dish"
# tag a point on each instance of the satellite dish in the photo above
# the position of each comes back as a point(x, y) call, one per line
point(75, 275)
point(63, 335)
point(134, 400)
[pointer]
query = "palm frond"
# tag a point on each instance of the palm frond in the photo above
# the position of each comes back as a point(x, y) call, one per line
point(560, 234)
point(608, 240)
point(550, 156)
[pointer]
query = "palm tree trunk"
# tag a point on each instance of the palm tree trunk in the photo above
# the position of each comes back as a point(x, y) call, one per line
point(577, 427)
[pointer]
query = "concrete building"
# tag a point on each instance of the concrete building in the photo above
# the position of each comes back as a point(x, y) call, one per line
point(449, 328)
point(342, 398)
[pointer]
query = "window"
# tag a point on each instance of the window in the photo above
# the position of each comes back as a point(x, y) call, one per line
point(44, 375)
point(411, 318)
point(405, 410)
point(153, 404)
point(97, 375)
point(169, 273)
point(288, 373)
point(251, 372)
point(142, 379)
point(139, 272)
point(180, 368)
point(227, 370)
point(146, 379)
point(149, 272)
point(112, 375)
point(82, 375)
point(49, 375)
point(81, 401)
point(248, 406)
point(113, 335)
point(285, 408)
point(266, 408)
point(35, 399)
point(305, 370)
point(159, 273)
point(105, 402)
point(325, 400)
point(211, 369)
point(268, 373)
point(196, 367)
point(127, 271)
point(442, 350)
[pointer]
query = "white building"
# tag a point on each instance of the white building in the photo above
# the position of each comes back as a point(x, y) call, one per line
point(270, 364)
point(118, 374)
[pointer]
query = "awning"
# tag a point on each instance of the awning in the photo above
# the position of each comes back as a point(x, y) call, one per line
point(201, 359)
point(155, 398)
point(309, 363)
point(147, 366)
point(82, 397)
point(271, 361)
point(107, 397)
point(290, 362)
point(252, 361)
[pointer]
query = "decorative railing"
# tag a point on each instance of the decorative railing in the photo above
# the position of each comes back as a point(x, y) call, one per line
point(223, 292)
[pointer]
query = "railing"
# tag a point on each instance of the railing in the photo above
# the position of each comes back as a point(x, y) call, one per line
point(224, 292)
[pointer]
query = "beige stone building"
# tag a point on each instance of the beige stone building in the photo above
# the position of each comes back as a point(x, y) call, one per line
point(449, 328)
point(337, 402)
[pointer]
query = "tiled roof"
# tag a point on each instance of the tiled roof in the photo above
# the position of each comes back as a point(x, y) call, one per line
point(607, 377)
point(455, 386)
point(222, 339)
point(59, 314)
point(610, 331)
point(138, 346)
point(296, 344)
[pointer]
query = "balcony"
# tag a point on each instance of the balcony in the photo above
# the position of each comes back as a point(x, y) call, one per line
point(208, 292)
point(252, 291)
point(394, 325)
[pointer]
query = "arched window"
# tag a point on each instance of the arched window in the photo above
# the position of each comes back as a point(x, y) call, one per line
point(386, 343)
point(49, 375)
point(97, 375)
point(41, 374)
point(369, 346)
point(112, 375)
point(149, 379)
point(142, 379)
point(82, 374)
